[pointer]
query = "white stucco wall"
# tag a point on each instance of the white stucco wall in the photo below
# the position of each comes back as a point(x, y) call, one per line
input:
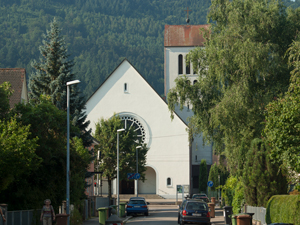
point(199, 150)
point(168, 140)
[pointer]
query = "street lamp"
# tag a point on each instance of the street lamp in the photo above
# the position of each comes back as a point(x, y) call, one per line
point(219, 189)
point(118, 181)
point(68, 148)
point(137, 171)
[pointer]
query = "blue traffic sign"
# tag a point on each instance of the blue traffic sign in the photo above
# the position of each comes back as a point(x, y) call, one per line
point(133, 176)
point(210, 183)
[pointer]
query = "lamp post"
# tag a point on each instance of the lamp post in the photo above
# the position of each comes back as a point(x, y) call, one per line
point(137, 171)
point(219, 190)
point(118, 178)
point(68, 148)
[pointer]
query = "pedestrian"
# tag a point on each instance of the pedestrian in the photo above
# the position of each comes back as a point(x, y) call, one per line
point(47, 213)
point(3, 218)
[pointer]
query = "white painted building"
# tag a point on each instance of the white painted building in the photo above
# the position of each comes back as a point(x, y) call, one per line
point(170, 159)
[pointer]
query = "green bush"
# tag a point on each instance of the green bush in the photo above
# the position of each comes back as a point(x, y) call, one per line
point(283, 209)
point(228, 190)
point(238, 198)
point(76, 217)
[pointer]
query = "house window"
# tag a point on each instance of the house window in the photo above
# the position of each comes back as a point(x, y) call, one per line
point(188, 68)
point(125, 87)
point(195, 81)
point(169, 182)
point(180, 62)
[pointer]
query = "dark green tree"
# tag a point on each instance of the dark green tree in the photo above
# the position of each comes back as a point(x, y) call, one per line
point(47, 124)
point(202, 176)
point(262, 179)
point(282, 129)
point(106, 134)
point(241, 69)
point(214, 173)
point(52, 72)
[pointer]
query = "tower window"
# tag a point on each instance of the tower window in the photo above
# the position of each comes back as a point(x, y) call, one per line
point(180, 64)
point(188, 68)
point(188, 107)
point(125, 87)
point(169, 181)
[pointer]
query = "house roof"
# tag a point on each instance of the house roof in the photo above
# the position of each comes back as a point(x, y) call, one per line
point(16, 77)
point(184, 35)
point(125, 60)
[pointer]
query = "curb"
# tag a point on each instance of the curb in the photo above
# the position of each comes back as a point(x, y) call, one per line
point(126, 219)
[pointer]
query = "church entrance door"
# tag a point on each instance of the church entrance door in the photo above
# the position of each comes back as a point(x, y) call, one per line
point(127, 187)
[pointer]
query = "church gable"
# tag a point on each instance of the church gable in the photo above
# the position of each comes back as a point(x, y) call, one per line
point(126, 90)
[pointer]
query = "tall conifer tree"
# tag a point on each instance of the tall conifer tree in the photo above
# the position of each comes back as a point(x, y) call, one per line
point(202, 176)
point(52, 72)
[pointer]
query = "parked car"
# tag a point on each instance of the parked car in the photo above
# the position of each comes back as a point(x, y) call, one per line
point(193, 211)
point(137, 205)
point(201, 196)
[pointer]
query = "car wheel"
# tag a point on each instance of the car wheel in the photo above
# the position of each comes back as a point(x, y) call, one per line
point(146, 214)
point(182, 223)
point(128, 214)
point(178, 221)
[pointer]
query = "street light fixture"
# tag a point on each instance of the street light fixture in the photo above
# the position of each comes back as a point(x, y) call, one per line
point(137, 171)
point(68, 148)
point(118, 179)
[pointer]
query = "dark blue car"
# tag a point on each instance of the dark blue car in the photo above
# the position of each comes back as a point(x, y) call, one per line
point(193, 211)
point(137, 205)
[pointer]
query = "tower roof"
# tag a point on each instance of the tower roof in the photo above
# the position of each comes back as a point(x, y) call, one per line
point(183, 35)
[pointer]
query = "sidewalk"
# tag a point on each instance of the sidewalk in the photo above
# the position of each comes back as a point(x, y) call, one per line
point(219, 217)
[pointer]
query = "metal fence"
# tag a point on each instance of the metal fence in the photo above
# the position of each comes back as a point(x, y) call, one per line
point(22, 217)
point(259, 213)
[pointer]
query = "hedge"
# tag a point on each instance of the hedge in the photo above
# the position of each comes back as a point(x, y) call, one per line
point(283, 209)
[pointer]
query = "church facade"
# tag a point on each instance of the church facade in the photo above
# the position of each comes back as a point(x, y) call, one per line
point(171, 160)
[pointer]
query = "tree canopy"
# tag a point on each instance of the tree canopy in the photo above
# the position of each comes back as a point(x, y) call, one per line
point(52, 72)
point(241, 69)
point(282, 125)
point(106, 135)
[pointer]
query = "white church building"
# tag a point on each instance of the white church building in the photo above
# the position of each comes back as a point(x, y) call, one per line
point(171, 159)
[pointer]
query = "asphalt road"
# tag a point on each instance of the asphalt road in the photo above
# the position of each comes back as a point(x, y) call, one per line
point(166, 215)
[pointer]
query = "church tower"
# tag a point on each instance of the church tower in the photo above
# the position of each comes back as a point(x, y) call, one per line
point(179, 40)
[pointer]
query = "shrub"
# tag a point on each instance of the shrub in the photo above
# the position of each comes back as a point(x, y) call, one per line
point(283, 209)
point(238, 197)
point(228, 190)
point(76, 217)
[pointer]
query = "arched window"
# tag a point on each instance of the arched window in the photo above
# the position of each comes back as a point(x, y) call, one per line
point(195, 81)
point(188, 68)
point(125, 87)
point(169, 181)
point(188, 107)
point(180, 64)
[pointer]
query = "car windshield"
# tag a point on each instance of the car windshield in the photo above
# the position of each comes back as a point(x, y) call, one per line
point(137, 202)
point(196, 206)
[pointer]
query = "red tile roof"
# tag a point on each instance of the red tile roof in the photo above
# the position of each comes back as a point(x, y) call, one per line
point(16, 78)
point(184, 35)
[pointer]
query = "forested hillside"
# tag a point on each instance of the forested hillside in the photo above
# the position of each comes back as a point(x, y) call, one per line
point(98, 33)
